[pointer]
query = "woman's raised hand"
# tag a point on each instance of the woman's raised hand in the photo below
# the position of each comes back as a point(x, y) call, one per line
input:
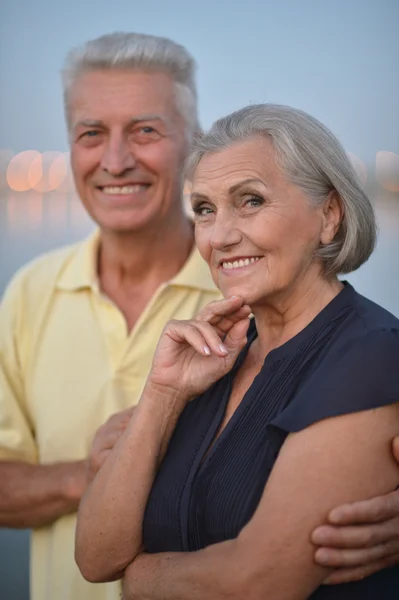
point(192, 355)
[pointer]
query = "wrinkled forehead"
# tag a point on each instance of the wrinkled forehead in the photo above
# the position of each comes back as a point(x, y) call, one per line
point(250, 160)
point(109, 94)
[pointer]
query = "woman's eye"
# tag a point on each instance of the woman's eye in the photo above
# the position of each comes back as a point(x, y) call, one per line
point(202, 211)
point(254, 201)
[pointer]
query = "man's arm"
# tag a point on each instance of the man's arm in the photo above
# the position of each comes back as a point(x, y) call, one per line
point(36, 495)
point(360, 538)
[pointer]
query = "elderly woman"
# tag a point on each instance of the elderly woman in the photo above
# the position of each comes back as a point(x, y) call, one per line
point(250, 430)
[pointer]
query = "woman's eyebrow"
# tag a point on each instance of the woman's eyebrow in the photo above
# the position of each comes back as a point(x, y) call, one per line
point(198, 197)
point(234, 188)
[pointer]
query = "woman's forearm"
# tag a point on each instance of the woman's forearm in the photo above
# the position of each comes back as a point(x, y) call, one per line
point(109, 529)
point(211, 573)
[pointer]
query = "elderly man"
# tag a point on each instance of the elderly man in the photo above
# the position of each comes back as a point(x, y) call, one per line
point(79, 326)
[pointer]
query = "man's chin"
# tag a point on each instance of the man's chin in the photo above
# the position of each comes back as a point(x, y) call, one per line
point(123, 225)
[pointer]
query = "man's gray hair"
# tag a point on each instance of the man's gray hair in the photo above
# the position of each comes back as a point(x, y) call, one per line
point(313, 159)
point(141, 52)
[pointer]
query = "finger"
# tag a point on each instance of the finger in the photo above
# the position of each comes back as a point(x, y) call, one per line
point(201, 336)
point(361, 536)
point(121, 417)
point(108, 440)
point(356, 574)
point(212, 339)
point(375, 510)
point(331, 557)
point(237, 336)
point(395, 448)
point(214, 311)
point(224, 324)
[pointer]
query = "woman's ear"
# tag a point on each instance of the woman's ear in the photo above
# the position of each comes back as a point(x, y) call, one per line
point(332, 217)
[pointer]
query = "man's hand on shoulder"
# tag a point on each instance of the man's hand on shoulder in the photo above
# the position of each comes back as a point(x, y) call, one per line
point(360, 538)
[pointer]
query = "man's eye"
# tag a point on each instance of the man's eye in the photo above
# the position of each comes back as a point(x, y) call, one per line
point(91, 133)
point(147, 130)
point(145, 133)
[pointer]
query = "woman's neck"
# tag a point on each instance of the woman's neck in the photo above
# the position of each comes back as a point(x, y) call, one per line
point(285, 315)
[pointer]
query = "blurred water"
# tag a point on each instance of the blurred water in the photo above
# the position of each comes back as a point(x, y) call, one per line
point(32, 223)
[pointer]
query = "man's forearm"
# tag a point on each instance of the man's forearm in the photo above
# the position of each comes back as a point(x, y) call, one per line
point(36, 495)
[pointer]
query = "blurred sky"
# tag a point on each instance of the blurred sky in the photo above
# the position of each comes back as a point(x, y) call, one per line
point(337, 59)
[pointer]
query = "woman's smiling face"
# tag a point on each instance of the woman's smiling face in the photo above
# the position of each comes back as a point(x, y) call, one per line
point(257, 231)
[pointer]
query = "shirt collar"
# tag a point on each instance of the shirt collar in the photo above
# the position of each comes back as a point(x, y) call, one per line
point(80, 271)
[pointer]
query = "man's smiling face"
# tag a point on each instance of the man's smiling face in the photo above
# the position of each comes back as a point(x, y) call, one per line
point(127, 147)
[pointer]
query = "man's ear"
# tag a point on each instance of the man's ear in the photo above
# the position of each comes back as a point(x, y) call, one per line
point(333, 213)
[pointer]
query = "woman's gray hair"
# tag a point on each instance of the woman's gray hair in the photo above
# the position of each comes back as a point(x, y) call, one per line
point(141, 52)
point(314, 160)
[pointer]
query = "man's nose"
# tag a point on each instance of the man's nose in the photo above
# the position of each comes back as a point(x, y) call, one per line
point(118, 157)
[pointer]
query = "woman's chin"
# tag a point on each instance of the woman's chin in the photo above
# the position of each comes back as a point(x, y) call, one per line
point(245, 294)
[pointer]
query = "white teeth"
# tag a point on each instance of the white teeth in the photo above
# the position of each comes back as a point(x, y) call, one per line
point(243, 262)
point(126, 189)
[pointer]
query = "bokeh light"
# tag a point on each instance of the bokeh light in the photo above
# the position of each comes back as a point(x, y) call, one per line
point(5, 158)
point(47, 171)
point(387, 170)
point(51, 171)
point(58, 171)
point(31, 170)
point(67, 185)
point(359, 166)
point(18, 170)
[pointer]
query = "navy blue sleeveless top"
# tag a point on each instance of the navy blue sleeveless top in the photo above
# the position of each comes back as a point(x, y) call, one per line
point(345, 360)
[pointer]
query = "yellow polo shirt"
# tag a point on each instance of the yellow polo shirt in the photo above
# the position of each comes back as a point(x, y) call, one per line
point(66, 364)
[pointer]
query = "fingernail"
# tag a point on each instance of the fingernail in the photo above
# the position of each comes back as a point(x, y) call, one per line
point(322, 535)
point(223, 349)
point(322, 556)
point(335, 516)
point(207, 351)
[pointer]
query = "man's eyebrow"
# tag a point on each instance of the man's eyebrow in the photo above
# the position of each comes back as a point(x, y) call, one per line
point(147, 118)
point(133, 121)
point(89, 123)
